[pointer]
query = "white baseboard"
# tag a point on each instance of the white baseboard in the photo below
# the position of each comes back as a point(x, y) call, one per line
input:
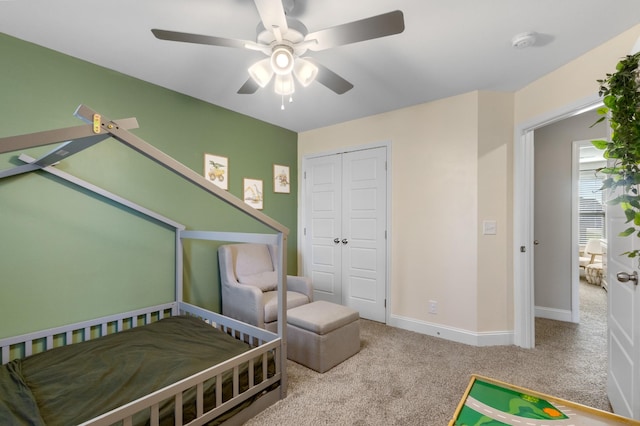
point(494, 338)
point(553, 314)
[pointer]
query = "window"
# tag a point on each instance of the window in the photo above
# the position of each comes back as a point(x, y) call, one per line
point(590, 208)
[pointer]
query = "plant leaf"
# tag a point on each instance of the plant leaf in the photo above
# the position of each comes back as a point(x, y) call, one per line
point(627, 232)
point(630, 215)
point(599, 120)
point(609, 101)
point(600, 144)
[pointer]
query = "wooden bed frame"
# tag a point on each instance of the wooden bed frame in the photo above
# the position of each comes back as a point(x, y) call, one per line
point(264, 344)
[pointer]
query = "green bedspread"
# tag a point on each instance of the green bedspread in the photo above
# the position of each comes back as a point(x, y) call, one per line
point(75, 383)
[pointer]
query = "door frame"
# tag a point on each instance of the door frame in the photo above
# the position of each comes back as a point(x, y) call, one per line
point(303, 218)
point(523, 215)
point(575, 229)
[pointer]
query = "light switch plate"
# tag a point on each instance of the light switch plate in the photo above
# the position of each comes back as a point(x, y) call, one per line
point(489, 227)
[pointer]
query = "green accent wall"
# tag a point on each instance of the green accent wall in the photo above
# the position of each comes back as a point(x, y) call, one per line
point(67, 255)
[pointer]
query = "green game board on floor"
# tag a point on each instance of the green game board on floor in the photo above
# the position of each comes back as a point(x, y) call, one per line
point(488, 402)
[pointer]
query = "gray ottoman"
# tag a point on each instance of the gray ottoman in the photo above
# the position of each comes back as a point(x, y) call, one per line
point(320, 335)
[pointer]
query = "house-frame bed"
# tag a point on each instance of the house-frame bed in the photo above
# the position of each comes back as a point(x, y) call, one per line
point(252, 379)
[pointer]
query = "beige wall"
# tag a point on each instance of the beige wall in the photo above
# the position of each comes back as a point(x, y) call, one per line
point(575, 81)
point(434, 213)
point(495, 136)
point(452, 169)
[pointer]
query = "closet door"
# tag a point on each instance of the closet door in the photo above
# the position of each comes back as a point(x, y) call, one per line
point(363, 232)
point(345, 238)
point(323, 228)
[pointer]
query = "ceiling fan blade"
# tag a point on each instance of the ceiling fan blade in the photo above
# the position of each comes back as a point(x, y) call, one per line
point(330, 79)
point(365, 29)
point(201, 39)
point(249, 87)
point(272, 15)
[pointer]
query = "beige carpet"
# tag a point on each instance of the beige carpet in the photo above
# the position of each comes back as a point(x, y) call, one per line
point(404, 378)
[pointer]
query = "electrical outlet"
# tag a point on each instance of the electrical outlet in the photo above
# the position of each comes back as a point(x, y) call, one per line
point(433, 307)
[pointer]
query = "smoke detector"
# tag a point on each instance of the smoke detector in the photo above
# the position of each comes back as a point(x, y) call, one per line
point(523, 40)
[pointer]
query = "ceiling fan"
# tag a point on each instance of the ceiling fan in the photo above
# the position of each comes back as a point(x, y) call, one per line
point(284, 40)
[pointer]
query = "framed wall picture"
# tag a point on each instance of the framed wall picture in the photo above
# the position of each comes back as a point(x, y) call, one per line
point(216, 170)
point(281, 179)
point(253, 193)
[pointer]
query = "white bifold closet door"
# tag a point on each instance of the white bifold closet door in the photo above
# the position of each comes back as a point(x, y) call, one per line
point(345, 208)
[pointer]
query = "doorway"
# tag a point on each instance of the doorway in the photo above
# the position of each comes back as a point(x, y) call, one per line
point(524, 288)
point(555, 247)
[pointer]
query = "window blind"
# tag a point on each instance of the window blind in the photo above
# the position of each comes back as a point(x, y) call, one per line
point(591, 208)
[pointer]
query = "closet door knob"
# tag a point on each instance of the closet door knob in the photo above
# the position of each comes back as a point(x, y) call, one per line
point(336, 240)
point(345, 241)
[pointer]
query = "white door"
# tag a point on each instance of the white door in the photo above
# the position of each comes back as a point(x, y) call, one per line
point(364, 224)
point(345, 236)
point(623, 380)
point(323, 226)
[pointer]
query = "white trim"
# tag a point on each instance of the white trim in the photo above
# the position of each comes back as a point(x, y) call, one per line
point(494, 338)
point(575, 231)
point(388, 233)
point(524, 325)
point(346, 149)
point(554, 314)
point(524, 333)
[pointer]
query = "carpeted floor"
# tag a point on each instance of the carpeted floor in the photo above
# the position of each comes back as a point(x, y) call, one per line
point(405, 378)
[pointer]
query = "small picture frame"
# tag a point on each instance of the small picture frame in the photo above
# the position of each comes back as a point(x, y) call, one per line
point(216, 170)
point(281, 179)
point(252, 193)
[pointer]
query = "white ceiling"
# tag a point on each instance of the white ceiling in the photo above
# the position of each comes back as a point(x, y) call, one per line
point(447, 48)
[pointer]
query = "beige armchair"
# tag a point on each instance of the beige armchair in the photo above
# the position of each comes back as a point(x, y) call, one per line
point(249, 279)
point(592, 253)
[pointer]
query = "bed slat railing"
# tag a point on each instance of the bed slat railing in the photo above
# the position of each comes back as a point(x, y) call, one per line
point(127, 411)
point(40, 341)
point(251, 373)
point(253, 335)
point(155, 414)
point(177, 417)
point(218, 390)
point(262, 341)
point(200, 398)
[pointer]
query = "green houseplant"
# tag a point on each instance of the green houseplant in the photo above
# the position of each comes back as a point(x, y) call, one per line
point(621, 97)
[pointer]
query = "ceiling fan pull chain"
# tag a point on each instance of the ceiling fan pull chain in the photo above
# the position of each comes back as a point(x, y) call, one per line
point(282, 102)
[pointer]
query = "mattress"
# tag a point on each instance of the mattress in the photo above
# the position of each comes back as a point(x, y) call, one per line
point(71, 384)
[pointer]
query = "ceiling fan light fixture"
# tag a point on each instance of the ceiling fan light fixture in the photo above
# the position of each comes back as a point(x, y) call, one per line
point(305, 71)
point(284, 85)
point(261, 72)
point(282, 60)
